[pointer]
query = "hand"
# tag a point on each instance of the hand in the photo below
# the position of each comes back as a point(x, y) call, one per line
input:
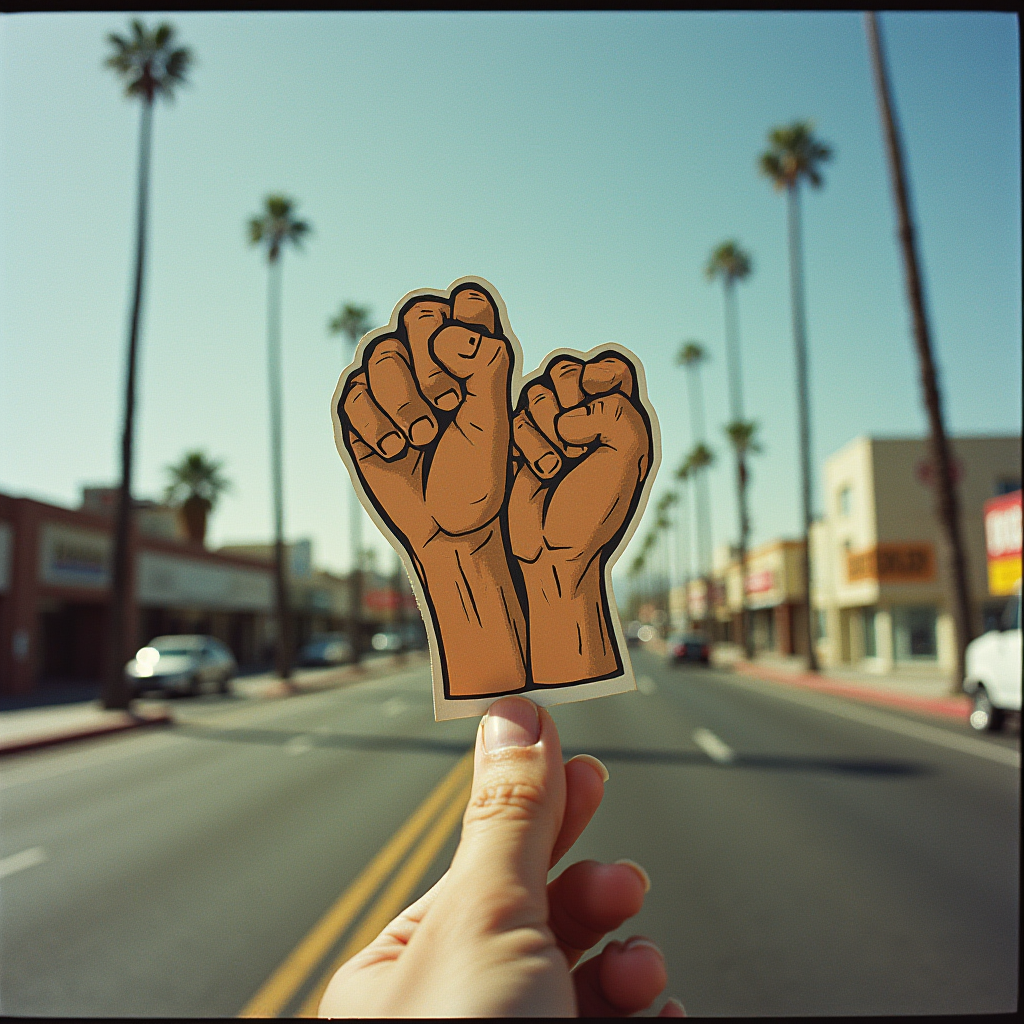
point(493, 938)
point(426, 421)
point(583, 444)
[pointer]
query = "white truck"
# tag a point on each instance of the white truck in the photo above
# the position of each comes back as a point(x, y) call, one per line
point(994, 672)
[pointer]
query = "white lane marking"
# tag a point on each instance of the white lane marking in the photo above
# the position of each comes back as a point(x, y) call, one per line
point(713, 747)
point(394, 706)
point(20, 861)
point(299, 745)
point(647, 686)
point(918, 730)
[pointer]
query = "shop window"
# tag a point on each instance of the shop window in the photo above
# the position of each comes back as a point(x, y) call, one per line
point(845, 500)
point(1007, 485)
point(870, 637)
point(915, 632)
point(819, 624)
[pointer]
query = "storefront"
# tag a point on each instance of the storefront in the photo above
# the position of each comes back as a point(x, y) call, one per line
point(55, 593)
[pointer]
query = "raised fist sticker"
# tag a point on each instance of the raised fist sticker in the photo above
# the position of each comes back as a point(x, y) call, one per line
point(508, 501)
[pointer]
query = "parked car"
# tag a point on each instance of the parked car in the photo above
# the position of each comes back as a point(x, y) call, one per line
point(689, 647)
point(326, 649)
point(994, 672)
point(387, 641)
point(187, 664)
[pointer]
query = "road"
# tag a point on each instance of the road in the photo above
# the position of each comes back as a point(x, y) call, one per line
point(809, 855)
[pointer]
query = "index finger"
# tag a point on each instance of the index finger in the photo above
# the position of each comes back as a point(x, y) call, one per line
point(421, 320)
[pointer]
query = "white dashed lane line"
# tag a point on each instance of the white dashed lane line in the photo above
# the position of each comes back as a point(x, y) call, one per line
point(714, 747)
point(20, 861)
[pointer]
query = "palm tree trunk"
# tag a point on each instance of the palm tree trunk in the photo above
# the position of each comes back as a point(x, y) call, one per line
point(121, 630)
point(282, 648)
point(948, 505)
point(732, 348)
point(685, 546)
point(803, 401)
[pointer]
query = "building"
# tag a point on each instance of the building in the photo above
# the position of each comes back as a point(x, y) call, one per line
point(774, 593)
point(879, 592)
point(55, 590)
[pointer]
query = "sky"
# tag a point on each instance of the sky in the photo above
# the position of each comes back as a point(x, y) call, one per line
point(584, 163)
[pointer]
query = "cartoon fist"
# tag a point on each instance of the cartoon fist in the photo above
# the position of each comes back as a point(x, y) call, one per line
point(426, 422)
point(582, 450)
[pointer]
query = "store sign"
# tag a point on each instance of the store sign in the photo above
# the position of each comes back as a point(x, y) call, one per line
point(760, 582)
point(171, 581)
point(70, 557)
point(892, 563)
point(1003, 543)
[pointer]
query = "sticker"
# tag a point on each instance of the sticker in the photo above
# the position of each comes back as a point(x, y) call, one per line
point(508, 498)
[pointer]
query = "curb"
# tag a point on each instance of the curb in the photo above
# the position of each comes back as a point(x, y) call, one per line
point(136, 722)
point(958, 708)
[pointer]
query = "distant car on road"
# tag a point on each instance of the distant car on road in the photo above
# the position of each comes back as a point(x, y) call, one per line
point(689, 647)
point(326, 649)
point(186, 664)
point(994, 672)
point(387, 641)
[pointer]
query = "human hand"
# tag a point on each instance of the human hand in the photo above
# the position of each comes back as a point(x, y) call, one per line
point(426, 422)
point(583, 446)
point(493, 937)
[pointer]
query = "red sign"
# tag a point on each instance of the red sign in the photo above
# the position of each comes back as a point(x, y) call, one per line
point(1003, 526)
point(760, 582)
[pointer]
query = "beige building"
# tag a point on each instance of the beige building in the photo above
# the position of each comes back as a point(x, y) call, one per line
point(879, 563)
point(775, 596)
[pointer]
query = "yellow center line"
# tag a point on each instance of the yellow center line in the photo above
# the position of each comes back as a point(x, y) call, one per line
point(395, 898)
point(283, 983)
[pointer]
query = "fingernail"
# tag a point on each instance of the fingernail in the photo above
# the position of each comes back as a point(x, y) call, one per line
point(675, 1004)
point(644, 877)
point(391, 444)
point(645, 943)
point(511, 722)
point(422, 431)
point(547, 465)
point(447, 401)
point(594, 763)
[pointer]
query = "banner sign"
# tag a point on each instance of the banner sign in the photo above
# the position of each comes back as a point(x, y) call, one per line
point(1003, 543)
point(909, 562)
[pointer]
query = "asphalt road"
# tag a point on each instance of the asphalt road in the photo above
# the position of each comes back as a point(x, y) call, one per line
point(809, 855)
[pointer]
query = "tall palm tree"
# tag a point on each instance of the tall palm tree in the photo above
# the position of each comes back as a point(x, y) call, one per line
point(730, 264)
point(795, 155)
point(692, 356)
point(275, 228)
point(683, 474)
point(196, 484)
point(353, 322)
point(948, 504)
point(149, 65)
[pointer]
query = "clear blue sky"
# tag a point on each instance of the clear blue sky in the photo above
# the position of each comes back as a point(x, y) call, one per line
point(586, 164)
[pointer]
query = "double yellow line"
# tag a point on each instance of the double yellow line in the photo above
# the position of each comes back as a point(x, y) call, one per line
point(437, 817)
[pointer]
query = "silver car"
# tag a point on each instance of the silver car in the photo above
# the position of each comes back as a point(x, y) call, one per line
point(187, 664)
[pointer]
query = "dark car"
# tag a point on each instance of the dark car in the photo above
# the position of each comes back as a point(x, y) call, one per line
point(690, 647)
point(186, 664)
point(326, 649)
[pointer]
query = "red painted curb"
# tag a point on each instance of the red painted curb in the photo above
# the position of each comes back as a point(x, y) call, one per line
point(83, 734)
point(958, 708)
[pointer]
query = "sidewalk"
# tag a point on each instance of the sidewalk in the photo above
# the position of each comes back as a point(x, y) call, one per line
point(32, 728)
point(925, 691)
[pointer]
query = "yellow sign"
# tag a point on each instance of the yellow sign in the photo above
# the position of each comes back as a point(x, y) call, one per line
point(892, 563)
point(1003, 576)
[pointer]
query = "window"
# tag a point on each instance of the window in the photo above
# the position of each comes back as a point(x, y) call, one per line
point(870, 639)
point(915, 632)
point(845, 500)
point(820, 625)
point(1007, 485)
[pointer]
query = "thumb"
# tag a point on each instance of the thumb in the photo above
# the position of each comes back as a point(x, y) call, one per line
point(514, 815)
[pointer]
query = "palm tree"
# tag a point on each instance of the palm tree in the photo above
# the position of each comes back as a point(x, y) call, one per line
point(691, 356)
point(731, 264)
point(275, 228)
point(683, 474)
point(795, 155)
point(149, 65)
point(196, 483)
point(948, 505)
point(353, 322)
